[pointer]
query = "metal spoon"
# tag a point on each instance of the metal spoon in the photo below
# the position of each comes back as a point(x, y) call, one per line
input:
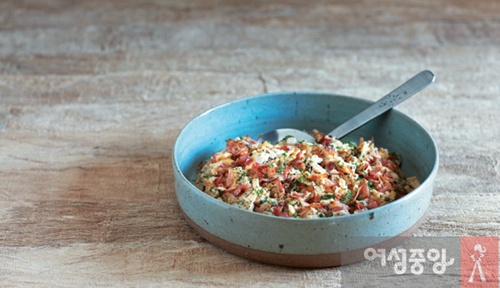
point(398, 95)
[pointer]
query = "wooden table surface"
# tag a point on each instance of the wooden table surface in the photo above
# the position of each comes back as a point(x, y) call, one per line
point(94, 93)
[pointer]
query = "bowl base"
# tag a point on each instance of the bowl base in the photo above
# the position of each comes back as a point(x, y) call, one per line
point(302, 260)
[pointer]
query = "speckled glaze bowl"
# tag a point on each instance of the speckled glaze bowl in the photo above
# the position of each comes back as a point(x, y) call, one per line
point(322, 242)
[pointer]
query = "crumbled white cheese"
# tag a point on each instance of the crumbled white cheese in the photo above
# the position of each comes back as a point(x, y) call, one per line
point(261, 157)
point(291, 140)
point(315, 159)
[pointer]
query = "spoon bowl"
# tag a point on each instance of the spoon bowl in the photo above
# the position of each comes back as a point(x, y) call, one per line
point(411, 87)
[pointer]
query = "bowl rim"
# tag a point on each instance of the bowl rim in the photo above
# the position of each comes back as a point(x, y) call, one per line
point(347, 217)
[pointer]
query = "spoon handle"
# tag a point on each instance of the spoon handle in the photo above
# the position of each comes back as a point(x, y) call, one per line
point(398, 95)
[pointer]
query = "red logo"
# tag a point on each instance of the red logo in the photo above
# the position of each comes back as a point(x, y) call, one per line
point(479, 261)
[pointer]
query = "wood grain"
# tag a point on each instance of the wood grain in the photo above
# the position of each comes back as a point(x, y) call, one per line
point(93, 94)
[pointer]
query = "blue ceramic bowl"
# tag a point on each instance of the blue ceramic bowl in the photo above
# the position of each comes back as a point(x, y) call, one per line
point(319, 242)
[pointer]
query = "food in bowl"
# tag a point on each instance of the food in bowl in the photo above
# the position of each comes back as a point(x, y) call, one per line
point(304, 179)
